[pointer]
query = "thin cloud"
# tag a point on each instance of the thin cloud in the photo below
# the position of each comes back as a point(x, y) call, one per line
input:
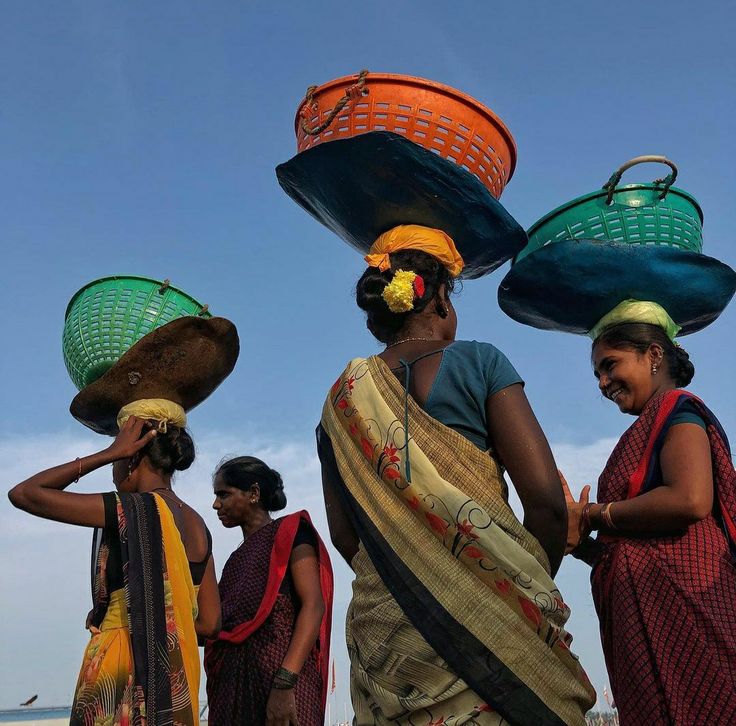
point(45, 579)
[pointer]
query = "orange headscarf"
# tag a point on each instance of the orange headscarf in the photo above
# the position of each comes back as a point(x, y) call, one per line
point(415, 237)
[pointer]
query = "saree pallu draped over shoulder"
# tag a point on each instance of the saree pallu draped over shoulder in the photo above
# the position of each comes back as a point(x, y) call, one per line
point(454, 618)
point(666, 604)
point(141, 667)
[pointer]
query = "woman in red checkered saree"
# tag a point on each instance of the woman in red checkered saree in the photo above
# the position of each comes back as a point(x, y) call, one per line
point(663, 578)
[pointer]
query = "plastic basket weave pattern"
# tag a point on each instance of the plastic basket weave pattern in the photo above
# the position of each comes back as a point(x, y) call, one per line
point(637, 214)
point(449, 123)
point(108, 316)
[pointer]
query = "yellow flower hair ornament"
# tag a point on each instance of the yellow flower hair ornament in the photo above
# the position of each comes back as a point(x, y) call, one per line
point(401, 292)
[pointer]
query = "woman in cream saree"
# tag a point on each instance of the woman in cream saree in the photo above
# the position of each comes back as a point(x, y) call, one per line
point(455, 618)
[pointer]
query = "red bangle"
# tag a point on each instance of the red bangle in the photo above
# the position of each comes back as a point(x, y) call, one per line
point(585, 527)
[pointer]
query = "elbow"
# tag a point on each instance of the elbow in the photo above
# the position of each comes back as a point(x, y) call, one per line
point(17, 497)
point(696, 509)
point(209, 628)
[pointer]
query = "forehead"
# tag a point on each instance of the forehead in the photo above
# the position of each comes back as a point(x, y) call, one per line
point(219, 486)
point(602, 352)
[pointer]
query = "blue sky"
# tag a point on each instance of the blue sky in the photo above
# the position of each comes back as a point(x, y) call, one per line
point(142, 138)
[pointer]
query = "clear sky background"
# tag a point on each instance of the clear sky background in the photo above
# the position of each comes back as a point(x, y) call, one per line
point(140, 138)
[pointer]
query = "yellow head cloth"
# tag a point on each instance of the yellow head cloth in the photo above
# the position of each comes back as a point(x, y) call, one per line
point(637, 311)
point(154, 409)
point(415, 237)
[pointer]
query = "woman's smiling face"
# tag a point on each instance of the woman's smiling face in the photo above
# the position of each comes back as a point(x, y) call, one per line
point(625, 375)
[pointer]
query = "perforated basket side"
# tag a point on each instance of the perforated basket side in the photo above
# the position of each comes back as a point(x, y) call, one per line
point(107, 317)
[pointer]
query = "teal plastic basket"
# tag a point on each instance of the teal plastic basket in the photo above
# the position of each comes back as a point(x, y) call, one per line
point(636, 214)
point(107, 316)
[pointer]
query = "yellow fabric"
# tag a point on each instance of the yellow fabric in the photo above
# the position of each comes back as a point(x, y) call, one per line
point(181, 596)
point(415, 237)
point(637, 311)
point(154, 409)
point(452, 516)
point(104, 692)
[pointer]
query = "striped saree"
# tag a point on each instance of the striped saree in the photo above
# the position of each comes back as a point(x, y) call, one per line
point(454, 617)
point(141, 667)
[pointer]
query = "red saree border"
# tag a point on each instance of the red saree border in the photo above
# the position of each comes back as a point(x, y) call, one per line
point(279, 565)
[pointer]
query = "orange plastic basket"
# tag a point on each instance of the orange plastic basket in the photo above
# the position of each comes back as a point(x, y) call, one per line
point(437, 117)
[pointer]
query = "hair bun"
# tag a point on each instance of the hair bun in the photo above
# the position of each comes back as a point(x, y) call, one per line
point(684, 370)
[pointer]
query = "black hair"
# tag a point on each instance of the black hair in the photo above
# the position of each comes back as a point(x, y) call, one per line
point(639, 336)
point(384, 324)
point(243, 472)
point(171, 451)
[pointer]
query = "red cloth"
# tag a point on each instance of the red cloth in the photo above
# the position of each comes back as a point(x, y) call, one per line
point(666, 604)
point(259, 609)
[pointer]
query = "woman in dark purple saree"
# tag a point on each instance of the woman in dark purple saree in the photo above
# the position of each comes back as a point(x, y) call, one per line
point(269, 663)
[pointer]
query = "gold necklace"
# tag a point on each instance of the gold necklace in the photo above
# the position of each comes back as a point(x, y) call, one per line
point(163, 491)
point(407, 340)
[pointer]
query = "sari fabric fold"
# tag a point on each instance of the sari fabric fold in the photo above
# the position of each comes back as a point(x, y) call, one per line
point(141, 666)
point(668, 601)
point(454, 618)
point(259, 611)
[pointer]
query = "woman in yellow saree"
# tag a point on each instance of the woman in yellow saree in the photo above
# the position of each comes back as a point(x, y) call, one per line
point(455, 618)
point(152, 551)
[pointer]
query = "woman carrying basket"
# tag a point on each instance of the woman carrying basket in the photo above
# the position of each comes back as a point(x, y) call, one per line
point(154, 586)
point(454, 618)
point(664, 578)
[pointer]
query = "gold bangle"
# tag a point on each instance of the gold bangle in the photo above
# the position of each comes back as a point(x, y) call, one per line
point(79, 472)
point(606, 516)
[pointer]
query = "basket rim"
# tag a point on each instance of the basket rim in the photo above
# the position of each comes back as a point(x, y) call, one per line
point(602, 193)
point(436, 85)
point(126, 277)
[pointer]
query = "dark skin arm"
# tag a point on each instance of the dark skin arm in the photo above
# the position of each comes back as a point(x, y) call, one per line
point(342, 535)
point(520, 442)
point(209, 618)
point(685, 497)
point(304, 568)
point(43, 494)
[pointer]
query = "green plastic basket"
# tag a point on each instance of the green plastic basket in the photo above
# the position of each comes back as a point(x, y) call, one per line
point(636, 214)
point(105, 318)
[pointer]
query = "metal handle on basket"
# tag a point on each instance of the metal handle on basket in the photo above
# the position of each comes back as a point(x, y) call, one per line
point(611, 184)
point(351, 93)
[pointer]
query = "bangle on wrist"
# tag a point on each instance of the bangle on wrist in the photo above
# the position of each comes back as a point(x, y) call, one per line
point(606, 516)
point(79, 470)
point(284, 679)
point(585, 526)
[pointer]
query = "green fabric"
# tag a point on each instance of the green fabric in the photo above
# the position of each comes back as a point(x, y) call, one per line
point(637, 311)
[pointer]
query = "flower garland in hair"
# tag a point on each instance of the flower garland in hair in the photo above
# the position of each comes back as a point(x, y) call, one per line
point(401, 292)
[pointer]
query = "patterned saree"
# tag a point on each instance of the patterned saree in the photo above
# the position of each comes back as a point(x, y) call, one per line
point(141, 666)
point(666, 603)
point(259, 610)
point(454, 618)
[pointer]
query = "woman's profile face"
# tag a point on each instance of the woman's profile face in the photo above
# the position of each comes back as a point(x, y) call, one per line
point(233, 505)
point(625, 376)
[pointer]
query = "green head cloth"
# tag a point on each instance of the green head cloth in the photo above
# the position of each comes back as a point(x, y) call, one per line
point(637, 311)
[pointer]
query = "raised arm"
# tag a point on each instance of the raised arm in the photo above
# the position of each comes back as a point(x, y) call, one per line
point(522, 446)
point(43, 494)
point(685, 497)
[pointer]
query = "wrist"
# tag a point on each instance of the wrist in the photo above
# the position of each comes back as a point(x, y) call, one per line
point(284, 679)
point(595, 516)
